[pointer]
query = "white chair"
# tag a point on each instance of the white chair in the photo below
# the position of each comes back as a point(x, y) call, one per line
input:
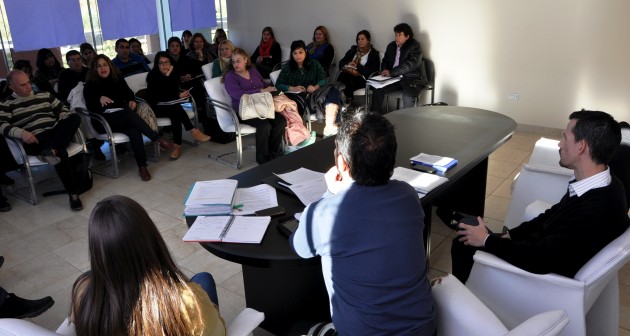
point(591, 298)
point(285, 54)
point(207, 70)
point(242, 325)
point(460, 312)
point(274, 76)
point(220, 100)
point(308, 117)
point(137, 82)
point(30, 162)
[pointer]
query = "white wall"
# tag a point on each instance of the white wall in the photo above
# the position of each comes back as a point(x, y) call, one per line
point(559, 56)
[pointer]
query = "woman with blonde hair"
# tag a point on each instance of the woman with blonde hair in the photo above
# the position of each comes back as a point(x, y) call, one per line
point(320, 49)
point(222, 63)
point(134, 287)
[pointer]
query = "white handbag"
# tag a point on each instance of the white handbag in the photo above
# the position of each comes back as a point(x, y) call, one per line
point(256, 105)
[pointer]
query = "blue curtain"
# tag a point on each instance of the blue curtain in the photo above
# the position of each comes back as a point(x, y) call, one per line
point(192, 14)
point(39, 24)
point(123, 18)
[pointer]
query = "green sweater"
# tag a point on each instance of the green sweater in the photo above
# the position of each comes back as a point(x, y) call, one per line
point(35, 113)
point(313, 74)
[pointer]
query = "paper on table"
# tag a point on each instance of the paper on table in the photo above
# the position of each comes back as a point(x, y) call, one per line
point(382, 81)
point(300, 175)
point(256, 198)
point(207, 229)
point(309, 191)
point(212, 192)
point(247, 230)
point(432, 159)
point(422, 182)
point(111, 110)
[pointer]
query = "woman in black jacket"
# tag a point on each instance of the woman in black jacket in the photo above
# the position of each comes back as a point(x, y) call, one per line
point(163, 86)
point(358, 64)
point(267, 54)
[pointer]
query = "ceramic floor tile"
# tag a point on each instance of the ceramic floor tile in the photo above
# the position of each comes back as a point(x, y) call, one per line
point(624, 306)
point(235, 284)
point(61, 233)
point(624, 275)
point(230, 304)
point(31, 275)
point(496, 207)
point(510, 155)
point(204, 261)
point(31, 218)
point(441, 257)
point(179, 249)
point(505, 189)
point(501, 169)
point(75, 253)
point(164, 221)
point(492, 183)
point(624, 332)
point(61, 292)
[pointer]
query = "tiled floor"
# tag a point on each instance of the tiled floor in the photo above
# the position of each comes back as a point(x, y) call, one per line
point(45, 246)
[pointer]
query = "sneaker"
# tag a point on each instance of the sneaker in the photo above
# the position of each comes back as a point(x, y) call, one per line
point(5, 206)
point(5, 180)
point(199, 136)
point(49, 156)
point(75, 203)
point(16, 307)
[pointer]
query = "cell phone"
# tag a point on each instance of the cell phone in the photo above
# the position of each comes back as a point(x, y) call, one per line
point(288, 226)
point(273, 211)
point(424, 169)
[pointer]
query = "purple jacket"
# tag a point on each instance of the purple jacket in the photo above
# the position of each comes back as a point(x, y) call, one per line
point(236, 86)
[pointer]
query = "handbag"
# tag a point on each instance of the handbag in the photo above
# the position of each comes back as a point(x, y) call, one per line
point(256, 105)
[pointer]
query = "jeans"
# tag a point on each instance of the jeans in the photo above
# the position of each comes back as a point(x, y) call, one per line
point(206, 281)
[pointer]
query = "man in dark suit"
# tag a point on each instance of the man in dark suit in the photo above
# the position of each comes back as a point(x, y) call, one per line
point(403, 57)
point(591, 214)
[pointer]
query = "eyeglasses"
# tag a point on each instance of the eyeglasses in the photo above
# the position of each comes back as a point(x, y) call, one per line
point(165, 63)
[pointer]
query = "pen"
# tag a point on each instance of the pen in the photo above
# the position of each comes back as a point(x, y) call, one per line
point(238, 207)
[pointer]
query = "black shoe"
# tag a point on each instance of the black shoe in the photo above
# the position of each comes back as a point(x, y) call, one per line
point(5, 180)
point(1, 261)
point(5, 206)
point(75, 203)
point(48, 156)
point(449, 217)
point(16, 307)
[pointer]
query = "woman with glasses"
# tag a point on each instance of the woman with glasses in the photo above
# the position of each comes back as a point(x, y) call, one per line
point(162, 90)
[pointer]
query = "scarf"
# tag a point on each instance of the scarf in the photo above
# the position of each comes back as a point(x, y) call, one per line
point(316, 50)
point(223, 65)
point(361, 52)
point(265, 47)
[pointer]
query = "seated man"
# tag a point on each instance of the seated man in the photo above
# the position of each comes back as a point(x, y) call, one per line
point(590, 215)
point(369, 234)
point(70, 77)
point(45, 126)
point(403, 57)
point(126, 62)
point(13, 306)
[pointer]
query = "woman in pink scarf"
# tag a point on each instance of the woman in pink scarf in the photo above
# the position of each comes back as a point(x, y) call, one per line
point(267, 54)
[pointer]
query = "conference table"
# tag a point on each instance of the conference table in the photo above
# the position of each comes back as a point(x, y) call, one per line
point(288, 288)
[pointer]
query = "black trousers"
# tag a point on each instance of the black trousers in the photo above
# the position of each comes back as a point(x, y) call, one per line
point(58, 138)
point(129, 123)
point(269, 133)
point(352, 83)
point(409, 95)
point(178, 117)
point(462, 258)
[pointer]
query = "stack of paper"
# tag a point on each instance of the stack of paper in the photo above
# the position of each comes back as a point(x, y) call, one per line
point(210, 198)
point(422, 182)
point(382, 81)
point(440, 163)
point(228, 229)
point(308, 185)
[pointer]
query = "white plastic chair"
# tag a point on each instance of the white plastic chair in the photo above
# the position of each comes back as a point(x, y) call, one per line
point(274, 76)
point(228, 120)
point(137, 82)
point(591, 298)
point(30, 162)
point(207, 70)
point(460, 312)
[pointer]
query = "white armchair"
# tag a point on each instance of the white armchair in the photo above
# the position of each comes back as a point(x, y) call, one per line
point(591, 299)
point(460, 312)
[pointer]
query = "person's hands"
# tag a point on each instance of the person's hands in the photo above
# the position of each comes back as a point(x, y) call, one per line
point(133, 105)
point(170, 70)
point(29, 137)
point(105, 101)
point(185, 77)
point(298, 88)
point(184, 94)
point(385, 73)
point(334, 180)
point(269, 89)
point(473, 235)
point(312, 88)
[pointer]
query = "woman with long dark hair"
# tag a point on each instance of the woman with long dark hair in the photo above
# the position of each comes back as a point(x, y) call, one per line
point(268, 53)
point(48, 70)
point(107, 94)
point(134, 287)
point(359, 63)
point(163, 86)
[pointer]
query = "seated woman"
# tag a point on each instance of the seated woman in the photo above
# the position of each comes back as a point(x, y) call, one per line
point(242, 79)
point(134, 286)
point(183, 65)
point(107, 94)
point(136, 48)
point(268, 53)
point(320, 49)
point(220, 65)
point(48, 70)
point(358, 64)
point(305, 76)
point(163, 86)
point(200, 51)
point(186, 37)
point(219, 36)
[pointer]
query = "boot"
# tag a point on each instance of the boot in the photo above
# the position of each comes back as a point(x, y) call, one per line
point(331, 114)
point(177, 152)
point(199, 136)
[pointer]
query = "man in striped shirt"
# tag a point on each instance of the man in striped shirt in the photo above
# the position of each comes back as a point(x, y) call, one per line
point(591, 214)
point(45, 126)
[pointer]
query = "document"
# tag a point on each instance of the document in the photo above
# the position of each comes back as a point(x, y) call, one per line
point(211, 198)
point(422, 182)
point(112, 110)
point(440, 163)
point(310, 191)
point(174, 102)
point(382, 81)
point(250, 200)
point(228, 229)
point(299, 175)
